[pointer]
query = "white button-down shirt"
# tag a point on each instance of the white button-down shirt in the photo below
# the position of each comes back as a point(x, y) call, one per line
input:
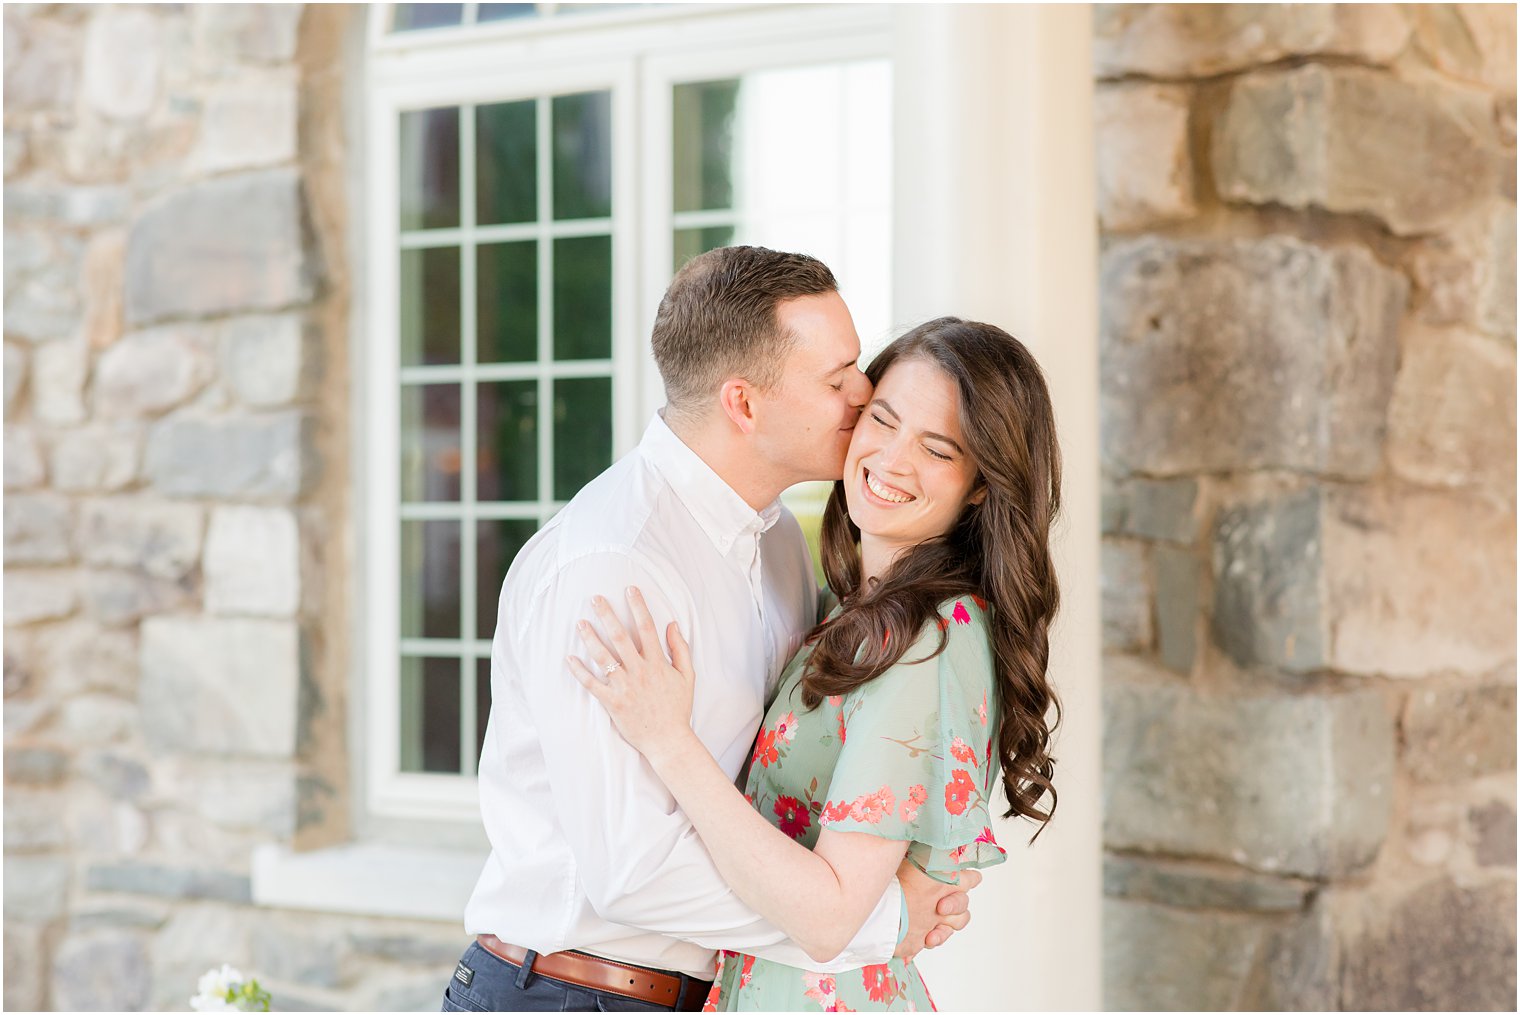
point(588, 849)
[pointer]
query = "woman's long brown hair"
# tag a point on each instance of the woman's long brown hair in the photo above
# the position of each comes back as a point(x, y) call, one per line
point(998, 549)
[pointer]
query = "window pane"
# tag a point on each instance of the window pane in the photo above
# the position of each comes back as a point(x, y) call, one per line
point(430, 579)
point(506, 161)
point(497, 543)
point(430, 448)
point(482, 702)
point(582, 126)
point(429, 714)
point(414, 16)
point(501, 12)
point(506, 302)
point(703, 167)
point(582, 432)
point(430, 306)
point(430, 168)
point(508, 439)
point(583, 297)
point(691, 242)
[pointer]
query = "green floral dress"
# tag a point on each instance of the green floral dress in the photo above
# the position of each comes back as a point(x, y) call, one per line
point(908, 756)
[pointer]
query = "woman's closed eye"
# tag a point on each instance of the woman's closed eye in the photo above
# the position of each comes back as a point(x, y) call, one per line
point(937, 454)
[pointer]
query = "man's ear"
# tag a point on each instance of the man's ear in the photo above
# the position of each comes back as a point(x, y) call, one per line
point(736, 398)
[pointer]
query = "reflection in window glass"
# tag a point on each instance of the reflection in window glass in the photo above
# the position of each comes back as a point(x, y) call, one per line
point(583, 298)
point(429, 714)
point(582, 155)
point(703, 142)
point(429, 579)
point(429, 306)
point(582, 432)
point(506, 160)
point(503, 12)
point(506, 302)
point(508, 440)
point(429, 186)
point(411, 17)
point(430, 448)
point(498, 541)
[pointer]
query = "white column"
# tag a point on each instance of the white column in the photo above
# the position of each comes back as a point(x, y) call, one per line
point(994, 219)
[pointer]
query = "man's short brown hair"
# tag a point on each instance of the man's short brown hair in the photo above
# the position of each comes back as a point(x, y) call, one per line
point(718, 319)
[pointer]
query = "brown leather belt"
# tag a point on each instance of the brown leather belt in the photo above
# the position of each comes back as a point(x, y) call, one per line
point(584, 970)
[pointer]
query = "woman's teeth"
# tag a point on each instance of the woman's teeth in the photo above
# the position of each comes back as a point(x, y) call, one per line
point(885, 492)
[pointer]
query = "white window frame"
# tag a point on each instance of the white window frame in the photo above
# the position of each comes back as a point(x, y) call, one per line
point(638, 55)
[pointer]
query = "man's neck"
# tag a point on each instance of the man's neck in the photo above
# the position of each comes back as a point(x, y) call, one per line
point(733, 461)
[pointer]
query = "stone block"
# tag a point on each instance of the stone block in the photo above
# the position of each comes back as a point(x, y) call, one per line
point(221, 686)
point(295, 951)
point(1145, 171)
point(1269, 601)
point(1202, 40)
point(38, 529)
point(34, 820)
point(59, 370)
point(1459, 733)
point(249, 122)
point(97, 719)
point(1496, 307)
point(97, 457)
point(249, 33)
point(1493, 834)
point(104, 269)
point(1293, 785)
point(1244, 342)
point(252, 562)
point(25, 947)
point(36, 887)
point(35, 765)
point(230, 244)
point(123, 62)
point(102, 970)
point(149, 372)
point(32, 596)
point(255, 456)
point(1200, 886)
point(23, 459)
point(1160, 509)
point(119, 776)
point(1126, 586)
point(81, 656)
point(42, 300)
point(1440, 947)
point(78, 207)
point(169, 881)
point(267, 361)
point(116, 598)
point(1160, 959)
point(1475, 42)
point(42, 59)
point(15, 375)
point(419, 948)
point(1449, 421)
point(1416, 156)
point(1177, 606)
point(408, 991)
point(1419, 582)
point(159, 538)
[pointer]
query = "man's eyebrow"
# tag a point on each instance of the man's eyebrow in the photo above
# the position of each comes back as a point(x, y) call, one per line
point(843, 366)
point(932, 436)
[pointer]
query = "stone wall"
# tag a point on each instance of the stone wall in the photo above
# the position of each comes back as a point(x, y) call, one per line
point(1308, 432)
point(176, 400)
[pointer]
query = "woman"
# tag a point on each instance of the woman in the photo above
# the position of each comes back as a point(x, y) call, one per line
point(882, 735)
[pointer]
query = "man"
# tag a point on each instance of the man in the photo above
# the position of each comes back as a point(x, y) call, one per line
point(598, 893)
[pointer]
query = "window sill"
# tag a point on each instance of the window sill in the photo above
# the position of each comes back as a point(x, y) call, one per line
point(368, 879)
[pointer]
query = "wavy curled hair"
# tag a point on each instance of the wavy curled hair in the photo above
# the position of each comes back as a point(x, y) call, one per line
point(998, 549)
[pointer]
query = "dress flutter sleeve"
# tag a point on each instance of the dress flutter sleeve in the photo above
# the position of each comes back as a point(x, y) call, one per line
point(916, 764)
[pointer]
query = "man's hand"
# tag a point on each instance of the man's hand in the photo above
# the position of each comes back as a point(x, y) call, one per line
point(935, 910)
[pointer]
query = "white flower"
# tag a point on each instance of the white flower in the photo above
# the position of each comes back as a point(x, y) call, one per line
point(215, 988)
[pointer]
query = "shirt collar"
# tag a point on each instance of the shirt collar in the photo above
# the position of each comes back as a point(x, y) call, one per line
point(722, 513)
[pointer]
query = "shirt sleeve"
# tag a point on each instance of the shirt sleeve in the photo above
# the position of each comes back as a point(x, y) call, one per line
point(637, 855)
point(917, 759)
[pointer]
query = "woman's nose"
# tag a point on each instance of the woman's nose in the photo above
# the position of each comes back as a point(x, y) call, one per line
point(859, 389)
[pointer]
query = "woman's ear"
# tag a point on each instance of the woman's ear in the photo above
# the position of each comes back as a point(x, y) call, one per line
point(980, 493)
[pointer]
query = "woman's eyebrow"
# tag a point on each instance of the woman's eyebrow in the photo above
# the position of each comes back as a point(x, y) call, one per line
point(932, 436)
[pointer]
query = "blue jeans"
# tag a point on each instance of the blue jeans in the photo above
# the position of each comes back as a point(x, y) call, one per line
point(497, 985)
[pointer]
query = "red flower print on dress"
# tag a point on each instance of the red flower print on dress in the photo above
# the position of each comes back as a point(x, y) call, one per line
point(943, 623)
point(872, 807)
point(794, 816)
point(746, 971)
point(958, 791)
point(835, 812)
point(957, 854)
point(881, 985)
point(982, 710)
point(916, 797)
point(961, 752)
point(820, 988)
point(786, 728)
point(960, 613)
point(835, 700)
point(765, 749)
point(981, 604)
point(842, 731)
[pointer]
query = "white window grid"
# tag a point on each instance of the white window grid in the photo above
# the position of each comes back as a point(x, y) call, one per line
point(639, 57)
